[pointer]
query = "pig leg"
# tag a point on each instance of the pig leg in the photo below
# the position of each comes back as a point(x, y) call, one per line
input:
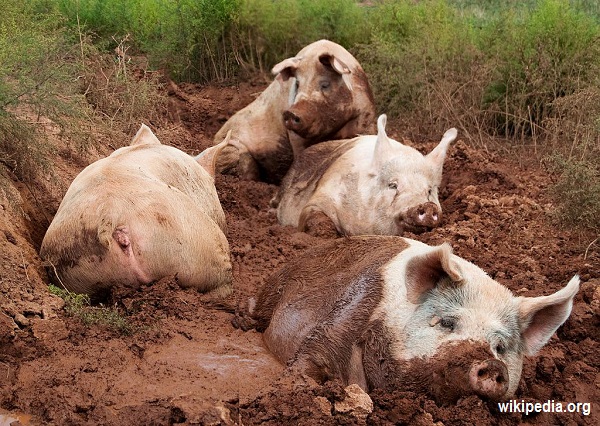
point(379, 365)
point(316, 223)
point(237, 161)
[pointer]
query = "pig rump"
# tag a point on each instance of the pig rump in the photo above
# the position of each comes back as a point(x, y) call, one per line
point(146, 212)
point(392, 312)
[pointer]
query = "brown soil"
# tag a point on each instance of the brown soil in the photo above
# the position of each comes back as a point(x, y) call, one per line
point(182, 362)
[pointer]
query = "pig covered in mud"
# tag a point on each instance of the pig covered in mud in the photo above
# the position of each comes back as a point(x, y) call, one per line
point(145, 212)
point(366, 185)
point(389, 312)
point(320, 94)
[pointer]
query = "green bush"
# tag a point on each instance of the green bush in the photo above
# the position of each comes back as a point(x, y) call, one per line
point(547, 54)
point(213, 40)
point(36, 80)
point(267, 31)
point(187, 38)
point(422, 64)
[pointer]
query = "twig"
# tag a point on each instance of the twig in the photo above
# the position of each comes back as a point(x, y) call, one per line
point(80, 42)
point(58, 278)
point(588, 247)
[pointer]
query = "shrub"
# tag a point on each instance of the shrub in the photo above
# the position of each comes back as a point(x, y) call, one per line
point(577, 191)
point(574, 126)
point(209, 40)
point(187, 38)
point(267, 32)
point(423, 65)
point(549, 53)
point(36, 79)
point(121, 90)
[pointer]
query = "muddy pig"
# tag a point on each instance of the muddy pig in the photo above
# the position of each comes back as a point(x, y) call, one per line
point(320, 94)
point(145, 212)
point(385, 311)
point(366, 185)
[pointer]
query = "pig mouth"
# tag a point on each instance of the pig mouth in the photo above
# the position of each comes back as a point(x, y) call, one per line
point(404, 226)
point(456, 371)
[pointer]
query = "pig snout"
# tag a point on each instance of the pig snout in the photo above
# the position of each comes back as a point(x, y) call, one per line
point(489, 378)
point(292, 121)
point(426, 215)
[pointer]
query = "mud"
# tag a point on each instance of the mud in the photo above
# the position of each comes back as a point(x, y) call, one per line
point(182, 362)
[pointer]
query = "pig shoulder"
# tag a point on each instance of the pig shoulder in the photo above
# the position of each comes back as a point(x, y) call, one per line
point(262, 150)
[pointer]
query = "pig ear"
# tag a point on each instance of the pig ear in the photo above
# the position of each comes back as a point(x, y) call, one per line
point(339, 66)
point(383, 146)
point(286, 68)
point(438, 155)
point(208, 157)
point(539, 317)
point(144, 136)
point(426, 270)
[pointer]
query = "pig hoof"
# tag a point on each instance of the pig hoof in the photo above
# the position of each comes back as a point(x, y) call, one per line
point(242, 321)
point(489, 379)
point(318, 224)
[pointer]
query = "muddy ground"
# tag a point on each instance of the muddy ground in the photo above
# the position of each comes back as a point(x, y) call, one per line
point(180, 361)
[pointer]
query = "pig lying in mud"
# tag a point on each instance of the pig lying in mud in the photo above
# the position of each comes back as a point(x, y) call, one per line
point(366, 185)
point(320, 94)
point(389, 312)
point(145, 212)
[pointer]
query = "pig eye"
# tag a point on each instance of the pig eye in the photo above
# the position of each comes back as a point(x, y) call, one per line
point(500, 349)
point(448, 323)
point(325, 85)
point(393, 185)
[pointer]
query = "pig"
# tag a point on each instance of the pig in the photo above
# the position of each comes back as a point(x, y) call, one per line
point(145, 212)
point(320, 94)
point(366, 185)
point(388, 312)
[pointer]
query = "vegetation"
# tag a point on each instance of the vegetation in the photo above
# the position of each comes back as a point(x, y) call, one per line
point(526, 72)
point(79, 305)
point(578, 189)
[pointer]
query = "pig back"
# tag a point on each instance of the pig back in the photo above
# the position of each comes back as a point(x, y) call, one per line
point(322, 301)
point(303, 178)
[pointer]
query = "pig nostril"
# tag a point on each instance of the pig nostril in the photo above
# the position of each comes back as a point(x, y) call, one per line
point(481, 373)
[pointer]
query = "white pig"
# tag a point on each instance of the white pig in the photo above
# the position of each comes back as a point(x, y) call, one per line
point(145, 212)
point(366, 185)
point(384, 311)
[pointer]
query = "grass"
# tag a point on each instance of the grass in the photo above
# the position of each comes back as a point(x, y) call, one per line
point(79, 306)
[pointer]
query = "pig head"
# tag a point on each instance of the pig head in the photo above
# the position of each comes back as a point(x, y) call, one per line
point(368, 185)
point(145, 212)
point(384, 311)
point(320, 94)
